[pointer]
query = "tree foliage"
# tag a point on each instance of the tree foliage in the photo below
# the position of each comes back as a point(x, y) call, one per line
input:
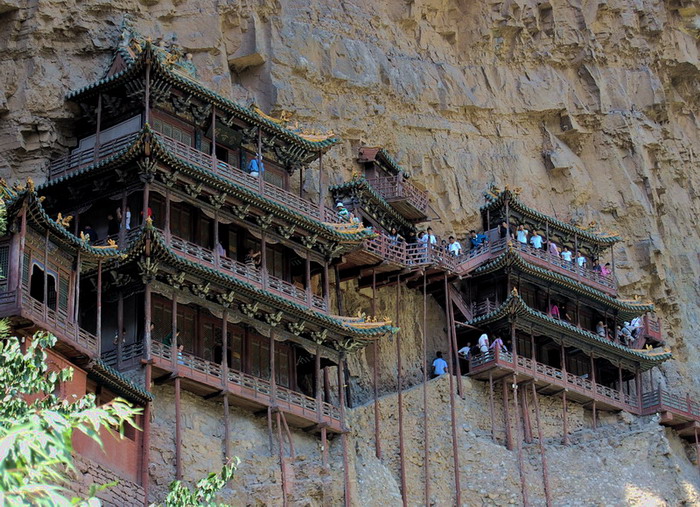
point(180, 495)
point(36, 425)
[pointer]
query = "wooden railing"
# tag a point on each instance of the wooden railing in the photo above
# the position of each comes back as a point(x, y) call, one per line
point(261, 388)
point(393, 188)
point(651, 329)
point(131, 354)
point(254, 183)
point(661, 400)
point(552, 375)
point(248, 273)
point(569, 268)
point(79, 159)
point(54, 321)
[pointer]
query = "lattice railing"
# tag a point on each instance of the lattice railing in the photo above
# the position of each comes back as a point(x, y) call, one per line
point(244, 179)
point(260, 386)
point(397, 187)
point(78, 159)
point(130, 352)
point(663, 400)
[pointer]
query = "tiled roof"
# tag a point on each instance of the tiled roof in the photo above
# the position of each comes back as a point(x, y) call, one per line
point(496, 200)
point(117, 382)
point(377, 154)
point(514, 306)
point(511, 257)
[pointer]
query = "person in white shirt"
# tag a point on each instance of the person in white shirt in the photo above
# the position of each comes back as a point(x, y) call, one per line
point(581, 261)
point(431, 237)
point(566, 254)
point(484, 343)
point(521, 234)
point(454, 247)
point(536, 240)
point(465, 352)
point(439, 365)
point(422, 237)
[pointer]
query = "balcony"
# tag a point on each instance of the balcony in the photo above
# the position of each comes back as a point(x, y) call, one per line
point(78, 160)
point(550, 380)
point(57, 322)
point(252, 275)
point(679, 412)
point(205, 377)
point(402, 195)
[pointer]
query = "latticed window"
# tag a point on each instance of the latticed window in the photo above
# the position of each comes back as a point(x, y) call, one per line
point(25, 269)
point(63, 294)
point(4, 264)
point(172, 131)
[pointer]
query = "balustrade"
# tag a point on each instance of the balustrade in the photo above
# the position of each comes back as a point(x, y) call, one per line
point(79, 159)
point(248, 273)
point(398, 187)
point(261, 388)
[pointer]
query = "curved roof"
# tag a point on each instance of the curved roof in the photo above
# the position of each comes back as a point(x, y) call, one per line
point(514, 306)
point(497, 199)
point(160, 151)
point(381, 155)
point(512, 257)
point(105, 374)
point(139, 51)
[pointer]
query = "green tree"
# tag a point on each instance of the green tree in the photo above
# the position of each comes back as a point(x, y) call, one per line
point(36, 426)
point(205, 490)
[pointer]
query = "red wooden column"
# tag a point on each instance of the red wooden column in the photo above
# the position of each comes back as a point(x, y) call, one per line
point(173, 334)
point(521, 466)
point(96, 148)
point(326, 285)
point(309, 295)
point(168, 204)
point(76, 304)
point(565, 407)
point(341, 397)
point(491, 408)
point(399, 390)
point(424, 347)
point(593, 381)
point(147, 95)
point(120, 331)
point(263, 256)
point(540, 437)
point(506, 415)
point(213, 139)
point(178, 431)
point(321, 188)
point(46, 276)
point(375, 373)
point(99, 308)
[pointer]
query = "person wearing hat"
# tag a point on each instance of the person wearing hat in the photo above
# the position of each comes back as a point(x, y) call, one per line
point(343, 213)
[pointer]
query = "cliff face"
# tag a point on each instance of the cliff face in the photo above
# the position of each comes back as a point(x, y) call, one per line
point(591, 106)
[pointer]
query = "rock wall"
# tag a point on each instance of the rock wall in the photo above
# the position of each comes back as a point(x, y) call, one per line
point(590, 106)
point(87, 473)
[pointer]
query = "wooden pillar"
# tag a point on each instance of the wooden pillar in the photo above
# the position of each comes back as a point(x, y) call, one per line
point(638, 385)
point(283, 468)
point(424, 347)
point(178, 431)
point(455, 445)
point(399, 390)
point(527, 426)
point(168, 214)
point(521, 465)
point(338, 293)
point(619, 375)
point(565, 408)
point(321, 188)
point(506, 415)
point(120, 329)
point(326, 385)
point(273, 380)
point(309, 294)
point(612, 255)
point(341, 397)
point(99, 127)
point(146, 198)
point(122, 222)
point(217, 255)
point(173, 332)
point(147, 322)
point(263, 255)
point(326, 285)
point(147, 95)
point(98, 326)
point(540, 437)
point(452, 338)
point(593, 381)
point(317, 380)
point(261, 174)
point(227, 429)
point(375, 374)
point(76, 304)
point(45, 296)
point(491, 408)
point(213, 140)
point(146, 439)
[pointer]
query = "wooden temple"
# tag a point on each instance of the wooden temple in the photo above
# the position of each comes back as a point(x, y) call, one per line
point(169, 247)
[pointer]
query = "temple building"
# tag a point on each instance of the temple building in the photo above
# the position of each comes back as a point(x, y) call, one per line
point(173, 247)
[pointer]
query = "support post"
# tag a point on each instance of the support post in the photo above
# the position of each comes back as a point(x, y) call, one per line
point(224, 382)
point(452, 338)
point(263, 256)
point(326, 285)
point(526, 415)
point(146, 438)
point(213, 140)
point(147, 95)
point(309, 294)
point(424, 347)
point(147, 322)
point(98, 325)
point(338, 292)
point(491, 411)
point(566, 418)
point(121, 336)
point(545, 468)
point(521, 466)
point(283, 467)
point(375, 374)
point(341, 396)
point(178, 431)
point(506, 415)
point(399, 388)
point(321, 188)
point(96, 149)
point(173, 333)
point(45, 295)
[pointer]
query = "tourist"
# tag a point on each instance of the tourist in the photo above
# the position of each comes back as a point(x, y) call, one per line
point(567, 255)
point(395, 237)
point(504, 231)
point(581, 261)
point(112, 225)
point(465, 352)
point(596, 266)
point(498, 345)
point(455, 247)
point(536, 240)
point(626, 334)
point(554, 311)
point(476, 240)
point(180, 351)
point(252, 258)
point(422, 237)
point(605, 270)
point(90, 234)
point(521, 234)
point(256, 166)
point(220, 250)
point(484, 343)
point(636, 325)
point(601, 329)
point(439, 365)
point(126, 217)
point(431, 237)
point(343, 213)
point(553, 249)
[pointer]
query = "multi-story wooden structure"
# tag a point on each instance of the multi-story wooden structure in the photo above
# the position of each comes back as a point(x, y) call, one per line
point(155, 249)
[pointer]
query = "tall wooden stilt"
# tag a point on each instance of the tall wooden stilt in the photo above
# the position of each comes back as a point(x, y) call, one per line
point(545, 468)
point(424, 347)
point(146, 437)
point(399, 390)
point(565, 415)
point(506, 415)
point(98, 325)
point(178, 431)
point(521, 465)
point(491, 410)
point(527, 426)
point(455, 445)
point(375, 374)
point(344, 436)
point(283, 467)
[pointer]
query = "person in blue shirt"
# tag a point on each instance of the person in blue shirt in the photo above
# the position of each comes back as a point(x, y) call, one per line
point(536, 240)
point(439, 365)
point(476, 240)
point(256, 166)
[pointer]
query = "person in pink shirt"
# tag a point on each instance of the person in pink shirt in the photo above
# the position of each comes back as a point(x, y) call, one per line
point(553, 249)
point(605, 270)
point(554, 311)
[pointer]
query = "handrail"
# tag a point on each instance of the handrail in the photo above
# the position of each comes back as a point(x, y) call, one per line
point(398, 187)
point(250, 274)
point(79, 159)
point(254, 183)
point(256, 384)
